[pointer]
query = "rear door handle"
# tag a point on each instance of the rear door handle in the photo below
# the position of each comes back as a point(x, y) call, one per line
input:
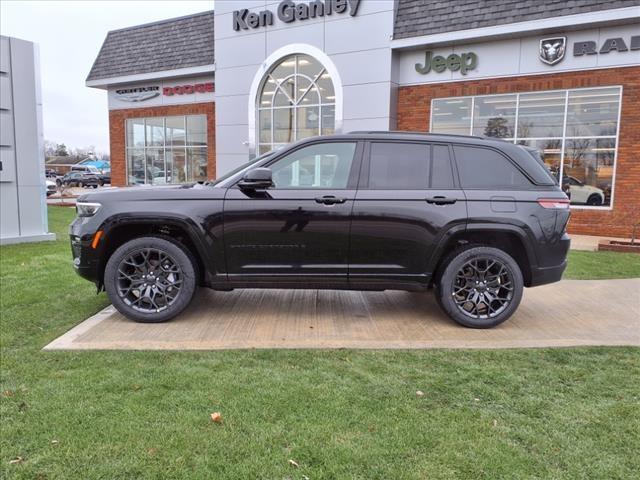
point(330, 200)
point(441, 200)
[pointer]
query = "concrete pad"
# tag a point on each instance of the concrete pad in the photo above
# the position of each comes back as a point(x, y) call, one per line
point(590, 242)
point(569, 313)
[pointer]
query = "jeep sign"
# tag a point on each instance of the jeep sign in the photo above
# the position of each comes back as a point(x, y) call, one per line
point(454, 62)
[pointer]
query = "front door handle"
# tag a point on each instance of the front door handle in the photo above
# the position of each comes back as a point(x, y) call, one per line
point(330, 200)
point(441, 200)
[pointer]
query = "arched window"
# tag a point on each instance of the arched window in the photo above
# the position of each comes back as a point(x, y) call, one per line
point(296, 101)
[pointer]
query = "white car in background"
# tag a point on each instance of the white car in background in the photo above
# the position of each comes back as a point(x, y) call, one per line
point(581, 193)
point(51, 187)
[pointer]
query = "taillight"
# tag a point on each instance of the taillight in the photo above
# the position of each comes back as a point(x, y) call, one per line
point(559, 203)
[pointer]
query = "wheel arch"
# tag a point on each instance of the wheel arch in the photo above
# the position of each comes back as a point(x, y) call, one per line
point(509, 238)
point(120, 229)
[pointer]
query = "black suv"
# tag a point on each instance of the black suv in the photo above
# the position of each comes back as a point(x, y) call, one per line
point(476, 218)
point(79, 179)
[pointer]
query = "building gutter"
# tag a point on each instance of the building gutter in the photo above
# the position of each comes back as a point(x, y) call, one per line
point(520, 29)
point(105, 83)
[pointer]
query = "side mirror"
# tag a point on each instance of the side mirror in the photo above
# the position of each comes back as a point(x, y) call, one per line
point(257, 179)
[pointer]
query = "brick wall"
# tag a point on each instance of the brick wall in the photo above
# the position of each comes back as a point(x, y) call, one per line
point(414, 105)
point(117, 134)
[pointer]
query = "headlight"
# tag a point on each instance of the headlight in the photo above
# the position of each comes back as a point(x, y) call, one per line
point(86, 209)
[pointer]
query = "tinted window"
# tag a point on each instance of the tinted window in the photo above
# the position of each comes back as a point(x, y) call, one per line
point(441, 171)
point(325, 165)
point(486, 168)
point(399, 166)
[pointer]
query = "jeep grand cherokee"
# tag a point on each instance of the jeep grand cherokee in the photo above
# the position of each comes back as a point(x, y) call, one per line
point(476, 218)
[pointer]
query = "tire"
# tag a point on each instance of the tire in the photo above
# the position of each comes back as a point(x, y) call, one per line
point(58, 183)
point(135, 304)
point(484, 304)
point(94, 186)
point(594, 199)
point(80, 185)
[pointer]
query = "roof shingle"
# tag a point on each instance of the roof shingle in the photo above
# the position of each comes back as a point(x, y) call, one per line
point(426, 17)
point(166, 45)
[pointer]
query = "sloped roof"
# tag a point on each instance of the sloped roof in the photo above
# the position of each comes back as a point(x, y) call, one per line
point(154, 47)
point(426, 17)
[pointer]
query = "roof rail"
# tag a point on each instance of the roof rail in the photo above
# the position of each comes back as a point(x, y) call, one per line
point(404, 132)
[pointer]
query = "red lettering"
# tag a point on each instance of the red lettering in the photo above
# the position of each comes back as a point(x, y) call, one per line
point(188, 89)
point(168, 91)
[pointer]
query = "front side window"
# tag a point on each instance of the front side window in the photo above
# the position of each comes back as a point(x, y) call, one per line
point(325, 165)
point(575, 131)
point(167, 150)
point(484, 168)
point(297, 101)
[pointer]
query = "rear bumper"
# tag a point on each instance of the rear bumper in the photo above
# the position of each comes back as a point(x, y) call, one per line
point(553, 273)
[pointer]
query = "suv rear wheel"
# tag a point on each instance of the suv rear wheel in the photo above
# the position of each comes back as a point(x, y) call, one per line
point(480, 287)
point(150, 279)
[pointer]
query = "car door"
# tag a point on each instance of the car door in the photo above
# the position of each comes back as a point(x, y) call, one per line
point(408, 197)
point(299, 226)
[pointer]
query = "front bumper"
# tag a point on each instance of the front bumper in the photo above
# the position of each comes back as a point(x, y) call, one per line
point(85, 258)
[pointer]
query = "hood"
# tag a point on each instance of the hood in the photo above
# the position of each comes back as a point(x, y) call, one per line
point(191, 191)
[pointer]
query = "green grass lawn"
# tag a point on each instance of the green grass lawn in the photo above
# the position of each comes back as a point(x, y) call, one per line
point(529, 413)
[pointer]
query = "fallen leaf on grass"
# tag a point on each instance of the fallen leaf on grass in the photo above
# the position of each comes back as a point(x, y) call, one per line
point(152, 451)
point(16, 460)
point(293, 463)
point(495, 423)
point(54, 441)
point(420, 393)
point(136, 387)
point(8, 393)
point(476, 399)
point(216, 417)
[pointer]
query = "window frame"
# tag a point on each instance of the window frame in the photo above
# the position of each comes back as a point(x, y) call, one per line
point(363, 183)
point(166, 146)
point(354, 172)
point(563, 138)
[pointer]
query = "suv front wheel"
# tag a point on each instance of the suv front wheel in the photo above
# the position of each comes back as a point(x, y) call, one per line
point(150, 279)
point(480, 287)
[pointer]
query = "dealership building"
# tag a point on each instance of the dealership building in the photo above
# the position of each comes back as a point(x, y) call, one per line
point(193, 97)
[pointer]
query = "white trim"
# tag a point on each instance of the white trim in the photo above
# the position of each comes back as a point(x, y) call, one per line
point(513, 75)
point(104, 83)
point(270, 61)
point(521, 28)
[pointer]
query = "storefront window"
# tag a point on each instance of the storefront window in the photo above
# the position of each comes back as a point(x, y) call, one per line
point(575, 132)
point(165, 150)
point(297, 101)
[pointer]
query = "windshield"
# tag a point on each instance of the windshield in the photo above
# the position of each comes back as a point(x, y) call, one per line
point(240, 168)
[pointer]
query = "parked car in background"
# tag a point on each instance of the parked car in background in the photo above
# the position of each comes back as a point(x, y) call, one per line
point(478, 219)
point(581, 193)
point(105, 178)
point(79, 179)
point(50, 173)
point(51, 187)
point(85, 169)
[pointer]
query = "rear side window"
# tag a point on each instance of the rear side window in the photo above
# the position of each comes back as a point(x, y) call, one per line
point(486, 168)
point(409, 166)
point(399, 166)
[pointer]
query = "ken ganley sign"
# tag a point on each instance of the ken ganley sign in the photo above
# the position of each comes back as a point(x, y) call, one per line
point(288, 11)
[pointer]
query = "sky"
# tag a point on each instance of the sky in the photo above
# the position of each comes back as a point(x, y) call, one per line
point(69, 35)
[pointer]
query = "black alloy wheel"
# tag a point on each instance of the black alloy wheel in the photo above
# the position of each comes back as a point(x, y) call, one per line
point(480, 287)
point(150, 279)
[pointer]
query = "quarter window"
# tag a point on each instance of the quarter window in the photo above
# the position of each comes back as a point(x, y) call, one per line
point(575, 131)
point(165, 150)
point(484, 168)
point(326, 165)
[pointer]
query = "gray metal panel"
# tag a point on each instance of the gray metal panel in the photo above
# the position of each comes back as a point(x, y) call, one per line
point(167, 45)
point(426, 17)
